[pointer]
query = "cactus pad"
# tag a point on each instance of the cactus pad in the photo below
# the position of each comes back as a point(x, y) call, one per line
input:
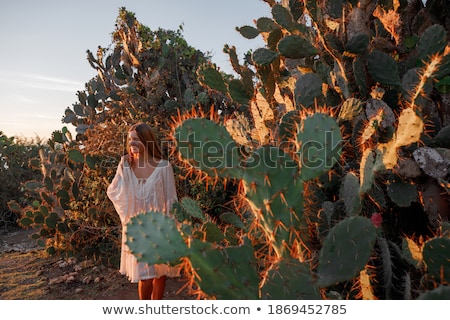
point(209, 147)
point(440, 293)
point(275, 193)
point(228, 273)
point(346, 250)
point(349, 193)
point(153, 237)
point(290, 279)
point(192, 208)
point(436, 255)
point(320, 139)
point(402, 193)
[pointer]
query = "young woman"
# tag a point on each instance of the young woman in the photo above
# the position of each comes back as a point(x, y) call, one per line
point(144, 181)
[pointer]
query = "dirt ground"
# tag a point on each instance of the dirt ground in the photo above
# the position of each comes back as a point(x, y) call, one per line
point(28, 273)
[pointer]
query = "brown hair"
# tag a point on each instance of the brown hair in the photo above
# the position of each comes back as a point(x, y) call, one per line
point(147, 136)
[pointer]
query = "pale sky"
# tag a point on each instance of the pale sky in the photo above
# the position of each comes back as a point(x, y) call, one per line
point(44, 44)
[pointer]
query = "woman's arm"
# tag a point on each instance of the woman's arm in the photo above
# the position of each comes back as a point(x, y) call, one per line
point(118, 191)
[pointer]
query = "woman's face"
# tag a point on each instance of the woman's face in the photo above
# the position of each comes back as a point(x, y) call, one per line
point(136, 145)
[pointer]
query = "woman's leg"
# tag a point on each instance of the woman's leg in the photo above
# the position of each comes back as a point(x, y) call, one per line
point(159, 286)
point(145, 288)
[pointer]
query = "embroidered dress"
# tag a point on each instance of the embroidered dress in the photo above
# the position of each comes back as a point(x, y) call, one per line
point(132, 196)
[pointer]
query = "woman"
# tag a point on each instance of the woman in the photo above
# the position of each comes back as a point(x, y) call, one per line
point(144, 181)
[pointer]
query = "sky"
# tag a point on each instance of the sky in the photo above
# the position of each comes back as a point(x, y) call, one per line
point(44, 44)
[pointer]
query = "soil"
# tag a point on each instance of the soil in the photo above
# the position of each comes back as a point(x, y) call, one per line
point(27, 272)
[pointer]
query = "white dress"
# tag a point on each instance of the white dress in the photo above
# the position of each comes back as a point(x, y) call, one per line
point(132, 196)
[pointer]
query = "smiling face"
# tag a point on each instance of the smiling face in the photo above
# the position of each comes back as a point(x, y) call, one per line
point(136, 147)
point(141, 142)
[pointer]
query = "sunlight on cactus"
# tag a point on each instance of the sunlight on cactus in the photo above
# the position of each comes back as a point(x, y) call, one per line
point(333, 137)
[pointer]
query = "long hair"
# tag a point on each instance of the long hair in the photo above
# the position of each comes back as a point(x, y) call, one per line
point(147, 136)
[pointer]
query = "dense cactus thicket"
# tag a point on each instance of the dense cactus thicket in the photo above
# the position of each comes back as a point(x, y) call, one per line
point(146, 76)
point(15, 154)
point(319, 171)
point(338, 147)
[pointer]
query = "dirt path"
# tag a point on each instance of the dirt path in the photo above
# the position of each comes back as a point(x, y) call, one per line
point(28, 273)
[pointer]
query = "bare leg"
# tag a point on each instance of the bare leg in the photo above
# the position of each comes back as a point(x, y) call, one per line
point(145, 288)
point(159, 285)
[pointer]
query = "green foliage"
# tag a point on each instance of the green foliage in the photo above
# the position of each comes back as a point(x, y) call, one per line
point(16, 167)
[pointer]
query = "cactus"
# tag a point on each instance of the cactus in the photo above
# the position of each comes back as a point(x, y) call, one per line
point(162, 242)
point(290, 279)
point(440, 293)
point(209, 147)
point(431, 162)
point(346, 250)
point(276, 204)
point(290, 142)
point(225, 273)
point(232, 272)
point(350, 109)
point(432, 258)
point(402, 193)
point(436, 258)
point(329, 70)
point(349, 193)
point(385, 156)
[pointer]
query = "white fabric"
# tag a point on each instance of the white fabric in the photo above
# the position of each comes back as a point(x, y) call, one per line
point(132, 196)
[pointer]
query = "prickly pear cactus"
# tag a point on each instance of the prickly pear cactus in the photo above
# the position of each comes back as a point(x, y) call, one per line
point(272, 179)
point(219, 272)
point(225, 273)
point(290, 279)
point(329, 71)
point(436, 256)
point(346, 250)
point(162, 242)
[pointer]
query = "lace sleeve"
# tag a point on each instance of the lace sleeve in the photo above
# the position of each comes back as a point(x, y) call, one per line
point(118, 191)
